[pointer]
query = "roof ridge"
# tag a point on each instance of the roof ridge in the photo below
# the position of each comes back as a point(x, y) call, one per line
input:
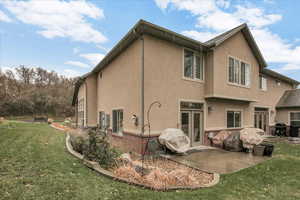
point(243, 25)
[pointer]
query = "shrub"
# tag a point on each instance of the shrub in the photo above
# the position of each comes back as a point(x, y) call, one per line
point(95, 147)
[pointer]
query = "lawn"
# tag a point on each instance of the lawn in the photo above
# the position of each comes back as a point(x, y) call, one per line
point(34, 164)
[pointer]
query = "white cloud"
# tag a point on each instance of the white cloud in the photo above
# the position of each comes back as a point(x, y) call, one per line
point(77, 64)
point(70, 73)
point(4, 17)
point(215, 16)
point(290, 67)
point(58, 18)
point(201, 36)
point(93, 58)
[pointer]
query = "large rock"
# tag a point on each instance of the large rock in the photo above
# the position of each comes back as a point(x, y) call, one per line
point(233, 142)
point(175, 140)
point(251, 137)
point(219, 138)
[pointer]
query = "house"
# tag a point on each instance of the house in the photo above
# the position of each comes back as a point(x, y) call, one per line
point(222, 84)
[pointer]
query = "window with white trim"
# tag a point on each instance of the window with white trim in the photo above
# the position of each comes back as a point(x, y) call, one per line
point(193, 65)
point(295, 118)
point(234, 119)
point(238, 72)
point(263, 83)
point(117, 121)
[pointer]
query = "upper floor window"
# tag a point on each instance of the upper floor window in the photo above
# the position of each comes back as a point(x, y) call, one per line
point(263, 83)
point(193, 65)
point(238, 72)
point(117, 121)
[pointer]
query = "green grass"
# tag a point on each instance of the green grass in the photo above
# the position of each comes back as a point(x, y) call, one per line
point(34, 164)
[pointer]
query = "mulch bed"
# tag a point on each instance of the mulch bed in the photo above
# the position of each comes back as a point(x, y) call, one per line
point(162, 173)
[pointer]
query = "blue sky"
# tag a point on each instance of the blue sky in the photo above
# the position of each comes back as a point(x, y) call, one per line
point(71, 37)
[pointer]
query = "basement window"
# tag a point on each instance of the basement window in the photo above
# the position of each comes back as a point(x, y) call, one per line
point(117, 121)
point(234, 119)
point(295, 118)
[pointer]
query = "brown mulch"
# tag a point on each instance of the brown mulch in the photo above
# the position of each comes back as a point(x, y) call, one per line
point(163, 173)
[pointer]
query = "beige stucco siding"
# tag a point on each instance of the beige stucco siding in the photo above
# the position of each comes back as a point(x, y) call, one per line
point(271, 97)
point(283, 115)
point(91, 92)
point(164, 83)
point(119, 86)
point(217, 114)
point(236, 47)
point(81, 95)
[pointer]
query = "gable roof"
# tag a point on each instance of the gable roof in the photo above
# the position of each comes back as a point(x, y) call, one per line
point(290, 99)
point(216, 41)
point(279, 76)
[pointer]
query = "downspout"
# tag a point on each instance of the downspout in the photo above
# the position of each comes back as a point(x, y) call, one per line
point(142, 92)
point(86, 104)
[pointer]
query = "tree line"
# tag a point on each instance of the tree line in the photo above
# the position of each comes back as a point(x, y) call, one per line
point(35, 91)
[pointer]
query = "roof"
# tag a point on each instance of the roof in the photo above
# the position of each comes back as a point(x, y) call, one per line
point(290, 99)
point(248, 36)
point(279, 76)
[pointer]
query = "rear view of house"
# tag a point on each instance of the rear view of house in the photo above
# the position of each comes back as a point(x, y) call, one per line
point(203, 88)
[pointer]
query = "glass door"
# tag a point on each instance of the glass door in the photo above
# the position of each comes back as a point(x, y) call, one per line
point(192, 125)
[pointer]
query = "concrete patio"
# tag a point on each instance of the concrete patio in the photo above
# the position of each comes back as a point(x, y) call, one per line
point(218, 160)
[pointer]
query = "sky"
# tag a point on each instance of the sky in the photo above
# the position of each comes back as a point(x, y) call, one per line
point(72, 36)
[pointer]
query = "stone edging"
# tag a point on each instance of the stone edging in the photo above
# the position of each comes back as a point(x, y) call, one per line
point(95, 166)
point(60, 129)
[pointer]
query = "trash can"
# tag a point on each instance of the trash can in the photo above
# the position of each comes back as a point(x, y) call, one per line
point(258, 150)
point(268, 150)
point(280, 129)
point(294, 131)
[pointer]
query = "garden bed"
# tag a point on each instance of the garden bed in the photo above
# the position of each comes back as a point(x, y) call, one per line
point(162, 174)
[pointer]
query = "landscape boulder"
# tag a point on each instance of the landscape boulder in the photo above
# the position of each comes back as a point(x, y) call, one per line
point(233, 142)
point(219, 138)
point(175, 140)
point(251, 137)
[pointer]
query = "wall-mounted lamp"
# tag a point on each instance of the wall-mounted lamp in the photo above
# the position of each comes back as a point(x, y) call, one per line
point(135, 120)
point(210, 109)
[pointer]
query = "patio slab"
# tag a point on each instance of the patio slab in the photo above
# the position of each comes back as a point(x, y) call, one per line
point(218, 160)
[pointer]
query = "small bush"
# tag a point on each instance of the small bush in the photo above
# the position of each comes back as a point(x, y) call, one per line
point(96, 147)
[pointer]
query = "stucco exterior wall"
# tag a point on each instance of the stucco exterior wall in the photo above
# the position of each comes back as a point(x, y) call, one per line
point(217, 115)
point(81, 95)
point(283, 115)
point(236, 47)
point(119, 86)
point(91, 91)
point(164, 83)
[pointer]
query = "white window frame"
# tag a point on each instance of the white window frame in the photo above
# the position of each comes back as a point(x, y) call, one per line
point(238, 72)
point(263, 81)
point(120, 131)
point(226, 120)
point(195, 53)
point(290, 112)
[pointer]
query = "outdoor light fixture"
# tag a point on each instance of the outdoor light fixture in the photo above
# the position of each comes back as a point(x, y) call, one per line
point(210, 108)
point(135, 120)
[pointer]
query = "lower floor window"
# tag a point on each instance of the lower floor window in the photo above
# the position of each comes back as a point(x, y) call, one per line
point(295, 118)
point(117, 121)
point(102, 120)
point(234, 119)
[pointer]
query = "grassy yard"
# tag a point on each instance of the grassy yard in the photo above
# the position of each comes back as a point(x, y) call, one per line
point(34, 164)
